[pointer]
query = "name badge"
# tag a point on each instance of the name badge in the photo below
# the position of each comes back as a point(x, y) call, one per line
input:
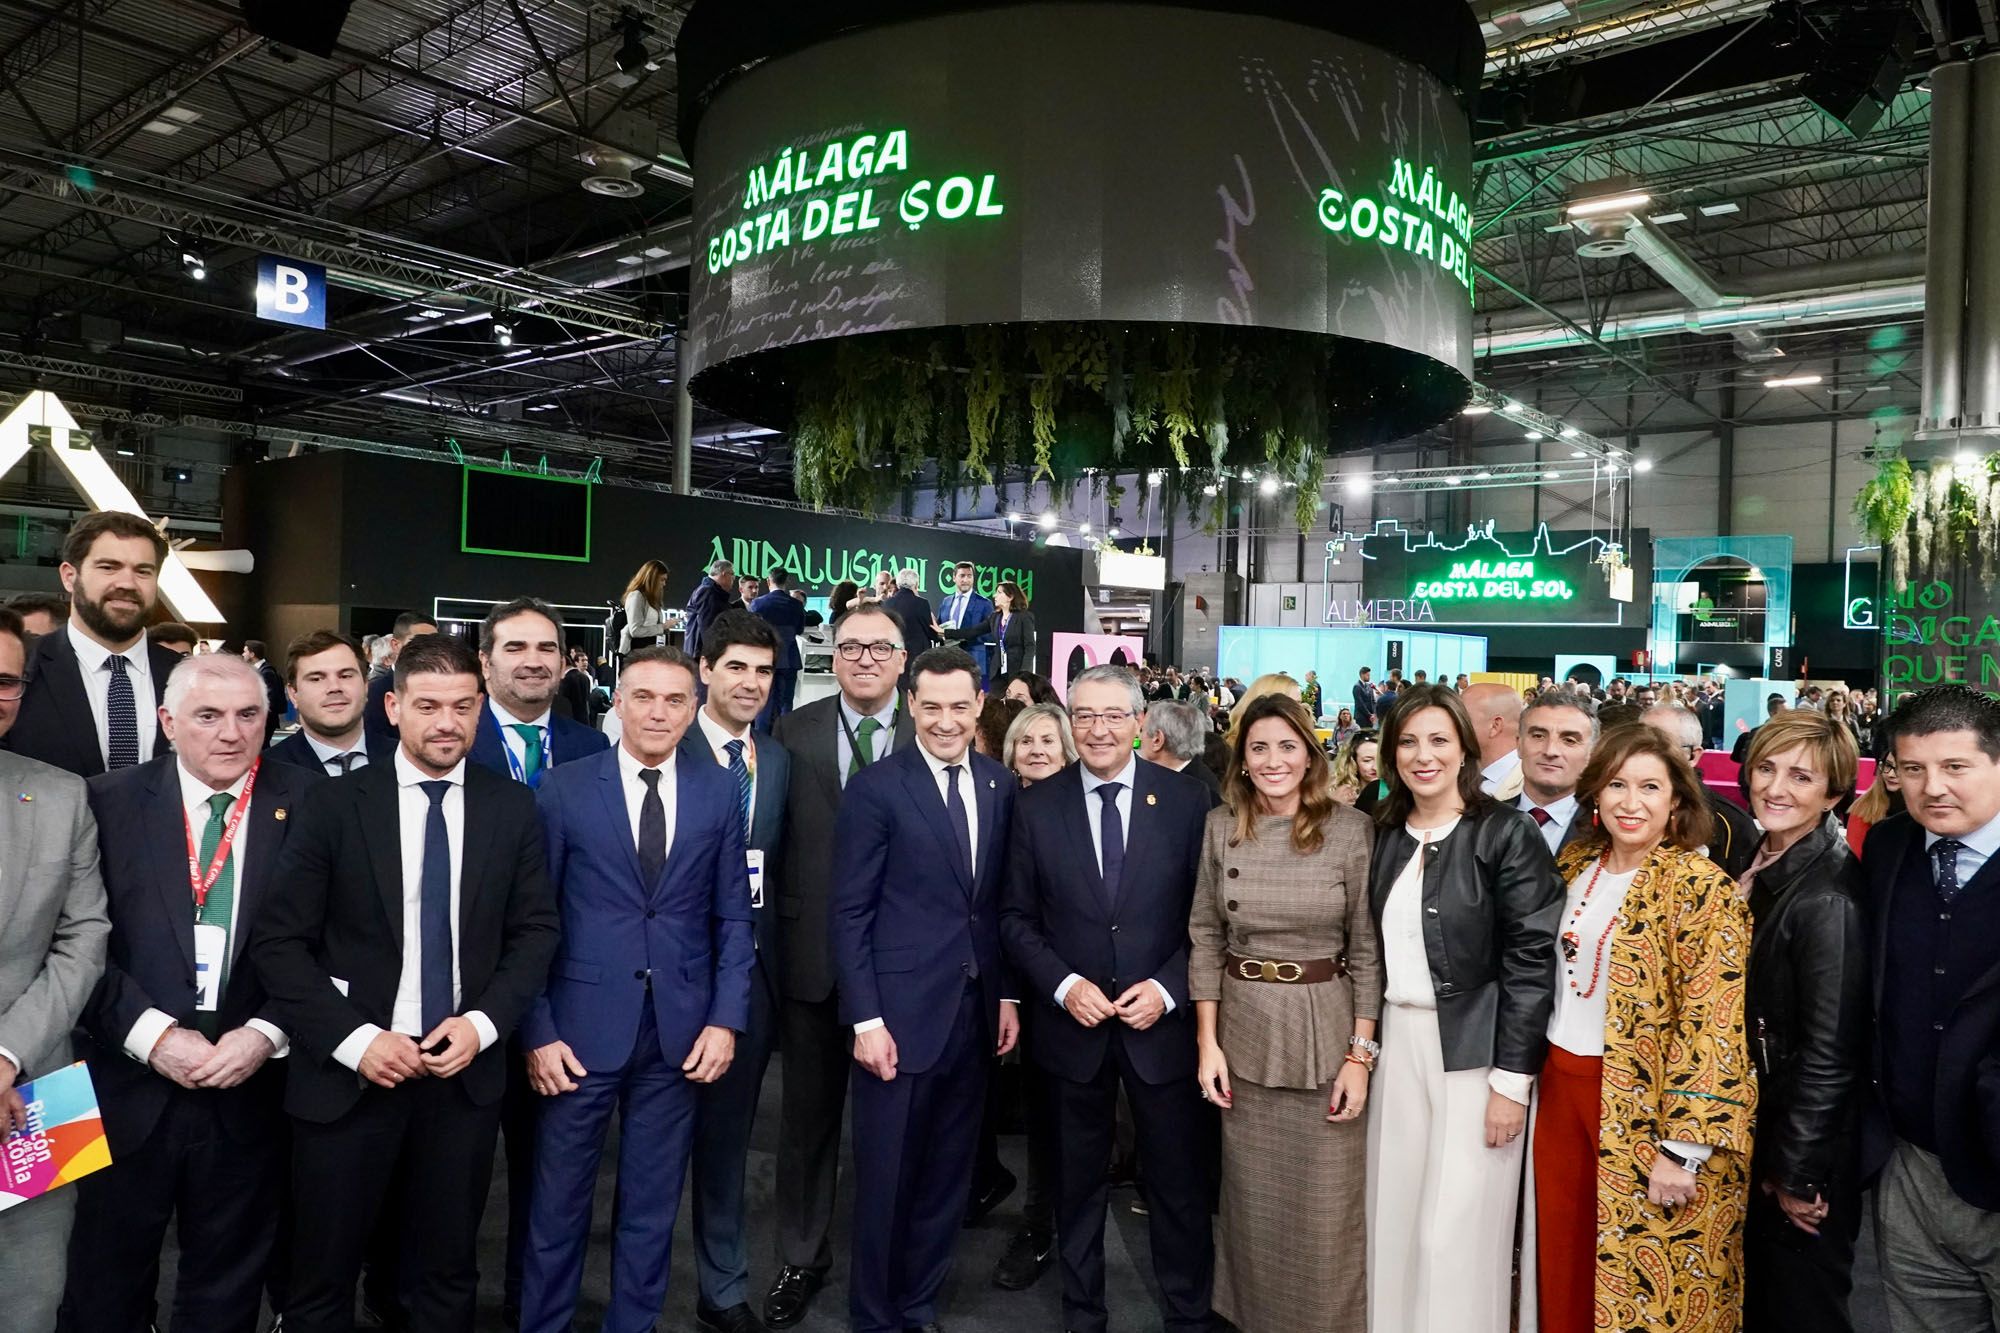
point(211, 950)
point(753, 861)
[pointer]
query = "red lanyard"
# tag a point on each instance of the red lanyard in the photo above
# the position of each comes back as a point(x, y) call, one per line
point(202, 883)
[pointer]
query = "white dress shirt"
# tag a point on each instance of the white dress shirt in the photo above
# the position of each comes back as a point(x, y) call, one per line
point(93, 664)
point(954, 609)
point(1560, 814)
point(413, 810)
point(151, 1025)
point(843, 753)
point(1494, 775)
point(634, 787)
point(720, 736)
point(516, 747)
point(1974, 850)
point(329, 756)
point(1093, 806)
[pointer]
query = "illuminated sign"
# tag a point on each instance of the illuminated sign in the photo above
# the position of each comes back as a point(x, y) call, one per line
point(1437, 228)
point(1938, 637)
point(1481, 577)
point(820, 567)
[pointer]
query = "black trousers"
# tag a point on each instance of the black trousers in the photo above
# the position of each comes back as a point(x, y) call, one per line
point(1177, 1144)
point(1795, 1281)
point(437, 1147)
point(221, 1197)
point(816, 1052)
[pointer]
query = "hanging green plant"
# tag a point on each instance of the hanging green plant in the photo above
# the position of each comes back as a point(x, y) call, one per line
point(1885, 504)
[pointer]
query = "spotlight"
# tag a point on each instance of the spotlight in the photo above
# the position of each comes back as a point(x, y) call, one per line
point(1623, 202)
point(1642, 465)
point(503, 333)
point(1114, 532)
point(1048, 520)
point(192, 260)
point(1014, 516)
point(1209, 489)
point(1268, 486)
point(1155, 477)
point(1534, 435)
point(1357, 485)
point(633, 57)
point(1570, 432)
point(1083, 528)
point(1793, 382)
point(1474, 410)
point(1482, 476)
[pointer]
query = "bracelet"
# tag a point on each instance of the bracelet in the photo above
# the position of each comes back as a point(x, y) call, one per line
point(1364, 1061)
point(1680, 1159)
point(1371, 1047)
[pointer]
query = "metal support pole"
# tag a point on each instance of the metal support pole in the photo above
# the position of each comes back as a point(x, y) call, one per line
point(683, 421)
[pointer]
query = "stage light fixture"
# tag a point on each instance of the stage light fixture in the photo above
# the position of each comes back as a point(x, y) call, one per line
point(503, 333)
point(1268, 486)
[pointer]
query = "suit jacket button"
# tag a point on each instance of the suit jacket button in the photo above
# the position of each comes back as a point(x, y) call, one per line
point(1232, 872)
point(1114, 930)
point(975, 918)
point(640, 975)
point(1232, 904)
point(650, 914)
point(1445, 989)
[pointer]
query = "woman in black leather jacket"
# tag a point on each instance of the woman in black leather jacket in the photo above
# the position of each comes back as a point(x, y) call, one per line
point(1807, 1012)
point(1467, 901)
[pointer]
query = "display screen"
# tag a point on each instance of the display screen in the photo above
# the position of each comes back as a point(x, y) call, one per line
point(524, 514)
point(1483, 577)
point(1070, 162)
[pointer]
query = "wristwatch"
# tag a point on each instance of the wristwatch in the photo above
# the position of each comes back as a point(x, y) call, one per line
point(1373, 1049)
point(1680, 1159)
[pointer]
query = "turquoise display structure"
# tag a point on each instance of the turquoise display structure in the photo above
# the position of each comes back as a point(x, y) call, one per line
point(1675, 558)
point(1249, 651)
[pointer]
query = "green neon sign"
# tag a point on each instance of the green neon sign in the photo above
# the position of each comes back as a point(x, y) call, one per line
point(1492, 581)
point(775, 218)
point(1425, 220)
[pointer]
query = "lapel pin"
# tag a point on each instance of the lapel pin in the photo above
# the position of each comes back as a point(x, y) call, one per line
point(279, 814)
point(26, 798)
point(1152, 799)
point(990, 784)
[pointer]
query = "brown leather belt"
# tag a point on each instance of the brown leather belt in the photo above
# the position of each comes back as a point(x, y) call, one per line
point(1273, 969)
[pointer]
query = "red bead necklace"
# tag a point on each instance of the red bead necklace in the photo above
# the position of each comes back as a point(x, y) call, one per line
point(1572, 944)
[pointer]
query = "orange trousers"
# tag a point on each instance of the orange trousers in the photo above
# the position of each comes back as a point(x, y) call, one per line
point(1565, 1157)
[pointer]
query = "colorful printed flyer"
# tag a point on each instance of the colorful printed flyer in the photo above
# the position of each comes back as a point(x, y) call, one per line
point(63, 1142)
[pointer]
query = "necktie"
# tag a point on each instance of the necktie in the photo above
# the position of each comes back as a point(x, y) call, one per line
point(961, 825)
point(221, 898)
point(1541, 817)
point(652, 828)
point(864, 746)
point(531, 746)
point(1111, 834)
point(741, 772)
point(345, 762)
point(1944, 867)
point(122, 716)
point(434, 935)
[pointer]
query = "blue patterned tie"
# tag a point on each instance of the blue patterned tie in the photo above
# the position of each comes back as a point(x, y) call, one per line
point(961, 824)
point(1944, 867)
point(435, 933)
point(741, 772)
point(1111, 832)
point(122, 717)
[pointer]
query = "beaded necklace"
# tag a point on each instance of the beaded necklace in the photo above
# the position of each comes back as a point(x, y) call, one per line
point(1572, 944)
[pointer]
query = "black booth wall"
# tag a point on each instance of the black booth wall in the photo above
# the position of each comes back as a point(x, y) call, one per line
point(349, 539)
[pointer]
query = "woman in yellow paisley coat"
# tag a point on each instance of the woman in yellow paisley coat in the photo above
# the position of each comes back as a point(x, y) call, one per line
point(1641, 1145)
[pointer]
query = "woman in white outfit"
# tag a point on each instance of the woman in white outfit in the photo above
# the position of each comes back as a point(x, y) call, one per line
point(645, 623)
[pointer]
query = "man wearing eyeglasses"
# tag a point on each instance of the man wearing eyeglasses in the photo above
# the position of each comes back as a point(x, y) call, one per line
point(829, 740)
point(1734, 841)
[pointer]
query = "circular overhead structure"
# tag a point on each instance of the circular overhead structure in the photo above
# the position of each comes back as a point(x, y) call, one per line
point(1073, 235)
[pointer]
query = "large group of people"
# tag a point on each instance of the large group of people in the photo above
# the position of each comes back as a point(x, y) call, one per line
point(1493, 1014)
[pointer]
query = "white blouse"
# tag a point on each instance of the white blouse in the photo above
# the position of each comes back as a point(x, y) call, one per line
point(1406, 963)
point(1577, 1022)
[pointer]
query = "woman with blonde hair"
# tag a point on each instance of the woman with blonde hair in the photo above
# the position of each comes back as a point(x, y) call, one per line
point(645, 596)
point(1357, 775)
point(1271, 682)
point(1039, 743)
point(1285, 975)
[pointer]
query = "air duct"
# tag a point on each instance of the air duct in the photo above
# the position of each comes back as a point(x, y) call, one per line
point(1685, 276)
point(1961, 392)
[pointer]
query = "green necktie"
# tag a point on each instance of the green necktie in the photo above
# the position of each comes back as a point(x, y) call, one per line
point(531, 743)
point(864, 746)
point(221, 899)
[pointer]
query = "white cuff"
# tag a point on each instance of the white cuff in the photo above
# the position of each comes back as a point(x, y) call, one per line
point(868, 1026)
point(1062, 991)
point(1514, 1087)
point(13, 1060)
point(146, 1034)
point(281, 1045)
point(349, 1052)
point(1698, 1152)
point(1165, 998)
point(488, 1034)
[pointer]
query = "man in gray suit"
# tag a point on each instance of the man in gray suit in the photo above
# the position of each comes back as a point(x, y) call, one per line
point(829, 741)
point(53, 937)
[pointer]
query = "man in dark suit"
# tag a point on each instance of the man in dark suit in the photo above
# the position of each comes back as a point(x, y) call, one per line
point(736, 665)
point(254, 652)
point(647, 995)
point(1172, 735)
point(1740, 749)
point(1556, 734)
point(913, 613)
point(94, 688)
point(787, 615)
point(415, 929)
point(1100, 877)
point(521, 736)
point(182, 1036)
point(1733, 843)
point(715, 594)
point(966, 607)
point(1934, 888)
point(376, 717)
point(324, 676)
point(829, 741)
point(918, 851)
point(1364, 700)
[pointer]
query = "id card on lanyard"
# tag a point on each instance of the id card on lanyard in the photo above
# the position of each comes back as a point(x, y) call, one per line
point(211, 940)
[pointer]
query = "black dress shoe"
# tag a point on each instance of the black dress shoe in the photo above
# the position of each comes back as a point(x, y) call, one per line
point(736, 1319)
point(1028, 1256)
point(989, 1196)
point(791, 1295)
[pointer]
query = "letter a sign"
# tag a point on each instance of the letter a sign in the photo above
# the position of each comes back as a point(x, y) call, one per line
point(291, 292)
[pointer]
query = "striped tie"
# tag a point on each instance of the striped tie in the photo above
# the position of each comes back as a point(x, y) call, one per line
point(121, 717)
point(741, 772)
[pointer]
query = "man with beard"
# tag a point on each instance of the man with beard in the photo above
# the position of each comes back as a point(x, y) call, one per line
point(325, 678)
point(520, 736)
point(94, 688)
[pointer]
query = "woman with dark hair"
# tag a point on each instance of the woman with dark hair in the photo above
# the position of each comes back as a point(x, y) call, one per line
point(842, 597)
point(1028, 687)
point(1808, 1012)
point(996, 714)
point(644, 596)
point(1285, 978)
point(1011, 625)
point(1642, 1125)
point(1466, 899)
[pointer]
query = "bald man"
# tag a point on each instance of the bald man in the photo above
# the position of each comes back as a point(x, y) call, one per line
point(1734, 840)
point(1496, 720)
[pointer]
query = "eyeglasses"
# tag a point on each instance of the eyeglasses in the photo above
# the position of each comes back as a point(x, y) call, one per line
point(879, 650)
point(1114, 719)
point(12, 688)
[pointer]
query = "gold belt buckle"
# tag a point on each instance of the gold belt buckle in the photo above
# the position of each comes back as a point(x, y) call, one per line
point(1252, 969)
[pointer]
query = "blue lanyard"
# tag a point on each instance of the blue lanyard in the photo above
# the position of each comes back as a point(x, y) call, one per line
point(517, 768)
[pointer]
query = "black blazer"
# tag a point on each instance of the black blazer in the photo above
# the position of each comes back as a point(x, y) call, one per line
point(341, 915)
point(812, 800)
point(914, 614)
point(55, 724)
point(375, 713)
point(1057, 916)
point(295, 750)
point(142, 846)
point(1016, 650)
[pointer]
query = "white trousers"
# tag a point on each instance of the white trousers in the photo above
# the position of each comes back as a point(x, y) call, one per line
point(1441, 1204)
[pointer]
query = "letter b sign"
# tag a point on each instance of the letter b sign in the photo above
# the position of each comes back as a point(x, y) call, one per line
point(291, 292)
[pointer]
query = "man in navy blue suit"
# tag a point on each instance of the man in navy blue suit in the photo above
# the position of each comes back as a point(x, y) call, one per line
point(1100, 877)
point(919, 847)
point(736, 665)
point(521, 736)
point(326, 680)
point(966, 607)
point(375, 714)
point(649, 989)
point(787, 615)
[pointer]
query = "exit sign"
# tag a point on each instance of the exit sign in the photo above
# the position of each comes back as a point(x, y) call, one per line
point(46, 435)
